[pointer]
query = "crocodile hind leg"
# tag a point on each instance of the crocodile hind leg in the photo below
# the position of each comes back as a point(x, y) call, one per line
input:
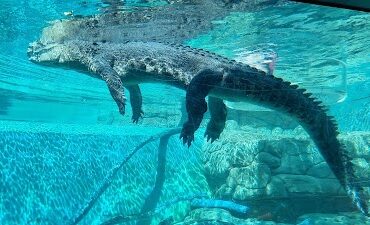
point(196, 105)
point(216, 124)
point(136, 101)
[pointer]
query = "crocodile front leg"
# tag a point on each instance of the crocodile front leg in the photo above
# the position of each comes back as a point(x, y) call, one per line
point(216, 124)
point(113, 81)
point(196, 105)
point(136, 101)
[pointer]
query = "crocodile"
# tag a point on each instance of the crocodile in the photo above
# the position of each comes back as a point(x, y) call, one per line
point(202, 74)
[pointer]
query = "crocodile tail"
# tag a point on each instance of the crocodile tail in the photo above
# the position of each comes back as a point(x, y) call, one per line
point(283, 96)
point(355, 191)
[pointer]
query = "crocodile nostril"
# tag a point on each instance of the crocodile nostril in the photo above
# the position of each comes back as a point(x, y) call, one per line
point(33, 48)
point(29, 51)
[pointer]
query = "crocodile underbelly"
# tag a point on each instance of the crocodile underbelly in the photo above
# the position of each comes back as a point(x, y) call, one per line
point(140, 77)
point(245, 106)
point(237, 99)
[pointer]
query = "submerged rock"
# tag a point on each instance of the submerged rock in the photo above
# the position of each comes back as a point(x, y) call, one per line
point(220, 217)
point(281, 173)
point(223, 217)
point(334, 219)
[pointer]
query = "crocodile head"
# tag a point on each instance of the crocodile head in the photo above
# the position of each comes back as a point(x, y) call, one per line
point(52, 54)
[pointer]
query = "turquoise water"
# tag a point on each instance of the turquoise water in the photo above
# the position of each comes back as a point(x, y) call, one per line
point(62, 135)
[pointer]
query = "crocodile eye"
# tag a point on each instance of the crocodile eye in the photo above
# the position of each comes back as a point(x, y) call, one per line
point(147, 60)
point(142, 66)
point(152, 63)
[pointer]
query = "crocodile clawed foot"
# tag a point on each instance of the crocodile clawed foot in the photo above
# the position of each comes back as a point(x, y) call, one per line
point(187, 139)
point(121, 108)
point(213, 131)
point(187, 135)
point(135, 118)
point(211, 136)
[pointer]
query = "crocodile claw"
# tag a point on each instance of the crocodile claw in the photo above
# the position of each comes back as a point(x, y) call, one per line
point(187, 139)
point(121, 109)
point(213, 131)
point(211, 136)
point(187, 135)
point(135, 117)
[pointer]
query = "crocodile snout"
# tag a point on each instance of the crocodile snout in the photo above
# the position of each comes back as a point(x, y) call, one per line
point(40, 52)
point(32, 49)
